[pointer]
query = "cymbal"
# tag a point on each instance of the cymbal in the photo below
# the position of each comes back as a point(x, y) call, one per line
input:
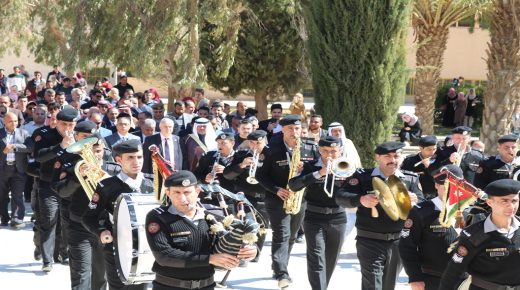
point(386, 198)
point(402, 197)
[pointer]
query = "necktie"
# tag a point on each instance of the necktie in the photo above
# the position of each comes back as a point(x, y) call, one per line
point(166, 150)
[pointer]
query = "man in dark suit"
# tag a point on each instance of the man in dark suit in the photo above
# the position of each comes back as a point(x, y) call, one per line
point(168, 145)
point(6, 101)
point(15, 145)
point(122, 131)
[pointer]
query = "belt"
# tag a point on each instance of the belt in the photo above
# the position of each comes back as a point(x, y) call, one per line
point(378, 236)
point(186, 284)
point(10, 163)
point(490, 285)
point(430, 271)
point(324, 210)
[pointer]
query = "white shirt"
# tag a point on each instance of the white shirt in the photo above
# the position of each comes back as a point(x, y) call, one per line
point(135, 184)
point(199, 215)
point(170, 147)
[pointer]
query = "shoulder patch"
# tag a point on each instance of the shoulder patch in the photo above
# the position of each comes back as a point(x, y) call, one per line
point(38, 138)
point(408, 223)
point(462, 251)
point(63, 175)
point(353, 181)
point(57, 165)
point(95, 197)
point(480, 169)
point(153, 228)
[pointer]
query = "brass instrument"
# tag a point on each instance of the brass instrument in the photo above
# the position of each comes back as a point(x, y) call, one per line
point(251, 179)
point(393, 198)
point(95, 172)
point(293, 203)
point(340, 167)
point(460, 153)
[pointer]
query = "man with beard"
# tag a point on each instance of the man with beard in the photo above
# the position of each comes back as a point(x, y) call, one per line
point(378, 234)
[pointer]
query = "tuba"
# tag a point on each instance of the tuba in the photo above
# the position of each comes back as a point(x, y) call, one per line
point(95, 173)
point(293, 203)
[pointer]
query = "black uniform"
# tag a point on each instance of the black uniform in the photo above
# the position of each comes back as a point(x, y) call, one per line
point(424, 244)
point(46, 150)
point(181, 248)
point(490, 170)
point(238, 140)
point(255, 193)
point(490, 257)
point(274, 174)
point(324, 224)
point(205, 166)
point(87, 268)
point(425, 173)
point(377, 238)
point(470, 163)
point(96, 221)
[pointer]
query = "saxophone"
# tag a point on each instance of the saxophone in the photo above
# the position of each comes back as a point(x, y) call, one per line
point(293, 203)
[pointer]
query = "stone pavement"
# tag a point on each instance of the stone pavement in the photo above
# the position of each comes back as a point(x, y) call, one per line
point(18, 269)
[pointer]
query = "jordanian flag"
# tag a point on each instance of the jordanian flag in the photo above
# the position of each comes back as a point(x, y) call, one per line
point(458, 196)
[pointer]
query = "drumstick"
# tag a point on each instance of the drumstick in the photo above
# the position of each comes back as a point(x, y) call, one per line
point(375, 213)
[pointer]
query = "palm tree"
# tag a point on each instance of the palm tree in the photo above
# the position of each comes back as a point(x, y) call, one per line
point(431, 20)
point(502, 93)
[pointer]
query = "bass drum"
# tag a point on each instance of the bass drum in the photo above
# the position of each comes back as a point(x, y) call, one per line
point(134, 259)
point(465, 284)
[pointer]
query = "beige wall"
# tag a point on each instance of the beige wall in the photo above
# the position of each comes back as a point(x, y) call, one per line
point(465, 55)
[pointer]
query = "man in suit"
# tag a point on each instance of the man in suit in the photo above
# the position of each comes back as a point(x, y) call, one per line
point(15, 145)
point(122, 133)
point(97, 119)
point(168, 145)
point(146, 126)
point(6, 101)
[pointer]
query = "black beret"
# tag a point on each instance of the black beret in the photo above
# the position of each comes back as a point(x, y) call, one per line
point(291, 120)
point(507, 138)
point(329, 141)
point(182, 178)
point(257, 135)
point(440, 178)
point(461, 130)
point(128, 146)
point(67, 115)
point(388, 147)
point(276, 106)
point(123, 115)
point(85, 127)
point(428, 141)
point(502, 187)
point(225, 136)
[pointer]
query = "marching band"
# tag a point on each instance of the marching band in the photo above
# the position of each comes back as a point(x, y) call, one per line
point(104, 209)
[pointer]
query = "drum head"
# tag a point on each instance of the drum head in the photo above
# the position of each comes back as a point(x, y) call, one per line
point(124, 245)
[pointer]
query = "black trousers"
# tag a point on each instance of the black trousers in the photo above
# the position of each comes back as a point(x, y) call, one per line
point(49, 216)
point(114, 282)
point(285, 230)
point(87, 266)
point(380, 263)
point(324, 242)
point(12, 181)
point(35, 205)
point(259, 205)
point(431, 282)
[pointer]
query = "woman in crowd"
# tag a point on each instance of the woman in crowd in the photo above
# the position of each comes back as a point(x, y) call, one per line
point(411, 131)
point(461, 105)
point(297, 107)
point(473, 100)
point(448, 108)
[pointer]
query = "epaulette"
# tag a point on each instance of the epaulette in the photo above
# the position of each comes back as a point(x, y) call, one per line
point(360, 170)
point(475, 233)
point(161, 210)
point(411, 173)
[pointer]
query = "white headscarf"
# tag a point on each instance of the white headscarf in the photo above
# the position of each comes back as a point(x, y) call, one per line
point(349, 150)
point(210, 136)
point(413, 118)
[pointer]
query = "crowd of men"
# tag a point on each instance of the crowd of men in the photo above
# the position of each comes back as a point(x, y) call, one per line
point(206, 146)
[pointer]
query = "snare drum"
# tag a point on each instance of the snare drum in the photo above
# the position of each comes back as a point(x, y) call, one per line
point(134, 259)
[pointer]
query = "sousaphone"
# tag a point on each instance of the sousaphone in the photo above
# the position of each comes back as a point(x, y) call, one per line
point(393, 197)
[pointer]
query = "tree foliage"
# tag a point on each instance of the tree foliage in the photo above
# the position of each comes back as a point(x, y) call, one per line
point(269, 61)
point(15, 25)
point(357, 54)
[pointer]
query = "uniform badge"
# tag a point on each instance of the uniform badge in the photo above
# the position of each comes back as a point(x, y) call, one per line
point(462, 251)
point(38, 138)
point(95, 197)
point(408, 223)
point(185, 182)
point(57, 165)
point(63, 175)
point(480, 170)
point(261, 157)
point(223, 137)
point(153, 228)
point(353, 181)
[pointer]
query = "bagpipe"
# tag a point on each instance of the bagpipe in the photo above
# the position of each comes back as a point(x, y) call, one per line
point(458, 196)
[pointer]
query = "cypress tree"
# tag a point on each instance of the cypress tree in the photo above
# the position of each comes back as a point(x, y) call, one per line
point(357, 55)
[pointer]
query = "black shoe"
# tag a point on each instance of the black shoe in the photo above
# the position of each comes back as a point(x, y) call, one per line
point(17, 224)
point(47, 267)
point(63, 260)
point(37, 254)
point(4, 224)
point(299, 240)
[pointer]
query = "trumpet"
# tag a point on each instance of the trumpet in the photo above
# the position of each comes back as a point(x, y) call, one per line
point(341, 168)
point(252, 169)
